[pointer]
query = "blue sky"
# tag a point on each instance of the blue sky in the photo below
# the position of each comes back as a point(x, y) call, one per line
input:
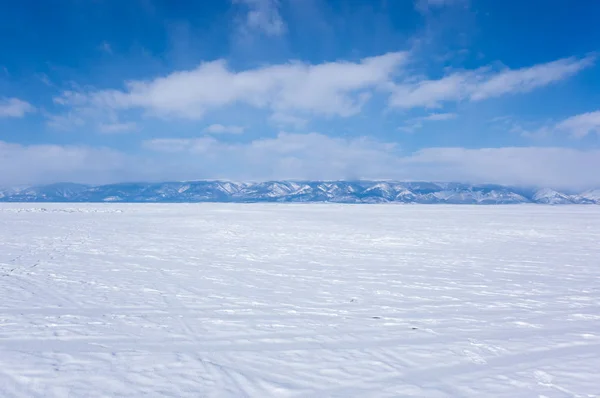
point(476, 91)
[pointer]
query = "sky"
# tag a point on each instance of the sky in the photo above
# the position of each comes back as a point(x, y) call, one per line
point(481, 91)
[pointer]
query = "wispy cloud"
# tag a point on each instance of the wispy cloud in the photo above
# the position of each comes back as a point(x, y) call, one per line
point(410, 127)
point(221, 129)
point(427, 5)
point(14, 107)
point(581, 125)
point(414, 124)
point(289, 120)
point(294, 156)
point(91, 119)
point(106, 47)
point(262, 16)
point(178, 145)
point(117, 127)
point(65, 121)
point(577, 126)
point(44, 79)
point(439, 117)
point(484, 83)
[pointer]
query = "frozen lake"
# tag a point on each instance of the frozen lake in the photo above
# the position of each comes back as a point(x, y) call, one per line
point(217, 300)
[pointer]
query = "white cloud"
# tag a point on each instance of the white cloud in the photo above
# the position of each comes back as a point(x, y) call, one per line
point(285, 119)
point(65, 121)
point(14, 107)
point(117, 127)
point(483, 83)
point(299, 156)
point(439, 117)
point(410, 127)
point(81, 115)
point(44, 79)
point(263, 16)
point(334, 88)
point(581, 125)
point(174, 145)
point(221, 129)
point(31, 164)
point(294, 92)
point(577, 126)
point(415, 124)
point(527, 79)
point(534, 166)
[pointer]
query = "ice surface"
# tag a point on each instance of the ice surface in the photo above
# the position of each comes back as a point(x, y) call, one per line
point(217, 300)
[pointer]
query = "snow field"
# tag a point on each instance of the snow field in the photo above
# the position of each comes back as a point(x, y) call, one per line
point(225, 300)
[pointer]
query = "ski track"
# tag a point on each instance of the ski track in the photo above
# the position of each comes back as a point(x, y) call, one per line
point(320, 300)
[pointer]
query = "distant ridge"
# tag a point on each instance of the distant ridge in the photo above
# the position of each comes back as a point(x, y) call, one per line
point(295, 191)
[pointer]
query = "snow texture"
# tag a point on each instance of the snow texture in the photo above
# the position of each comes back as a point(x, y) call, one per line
point(273, 300)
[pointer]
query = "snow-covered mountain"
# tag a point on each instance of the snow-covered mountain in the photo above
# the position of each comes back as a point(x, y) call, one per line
point(552, 197)
point(295, 191)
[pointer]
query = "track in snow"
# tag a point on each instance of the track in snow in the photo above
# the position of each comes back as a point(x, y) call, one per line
point(269, 300)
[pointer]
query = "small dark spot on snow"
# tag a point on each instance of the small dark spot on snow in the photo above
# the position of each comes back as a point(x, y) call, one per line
point(376, 317)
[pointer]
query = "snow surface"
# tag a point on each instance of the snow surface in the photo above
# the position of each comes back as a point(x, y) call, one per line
point(271, 300)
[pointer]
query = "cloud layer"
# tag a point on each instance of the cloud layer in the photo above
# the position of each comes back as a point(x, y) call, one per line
point(14, 107)
point(295, 91)
point(299, 156)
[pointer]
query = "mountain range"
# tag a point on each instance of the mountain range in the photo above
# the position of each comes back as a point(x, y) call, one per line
point(295, 191)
